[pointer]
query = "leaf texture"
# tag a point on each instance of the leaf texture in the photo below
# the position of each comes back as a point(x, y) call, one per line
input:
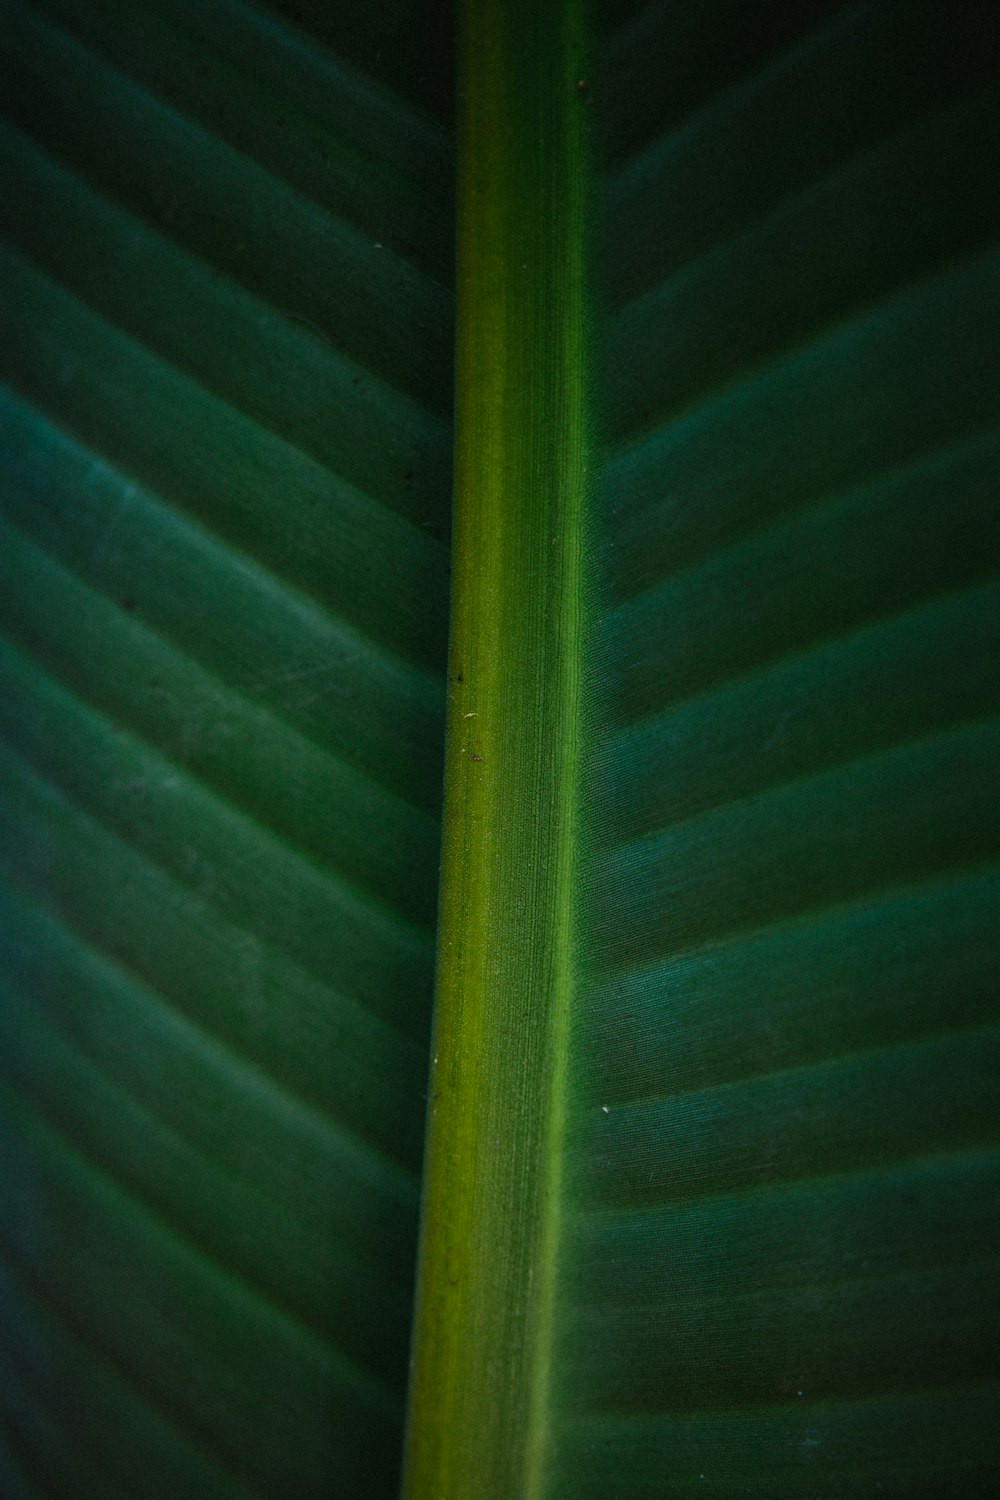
point(711, 1201)
point(785, 1142)
point(226, 450)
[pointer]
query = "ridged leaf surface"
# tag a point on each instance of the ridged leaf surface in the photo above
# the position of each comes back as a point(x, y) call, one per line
point(712, 1199)
point(226, 252)
point(788, 1048)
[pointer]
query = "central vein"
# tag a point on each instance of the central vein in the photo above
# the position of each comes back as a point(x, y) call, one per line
point(482, 1394)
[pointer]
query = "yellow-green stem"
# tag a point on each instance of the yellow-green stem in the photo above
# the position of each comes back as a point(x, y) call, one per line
point(481, 1398)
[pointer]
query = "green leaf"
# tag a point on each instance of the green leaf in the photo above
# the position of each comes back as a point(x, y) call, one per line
point(226, 479)
point(710, 1202)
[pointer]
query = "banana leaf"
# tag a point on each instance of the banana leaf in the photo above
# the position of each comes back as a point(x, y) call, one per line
point(648, 353)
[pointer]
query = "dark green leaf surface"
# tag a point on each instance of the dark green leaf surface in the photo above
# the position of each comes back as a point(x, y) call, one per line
point(739, 1238)
point(224, 487)
point(787, 1057)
